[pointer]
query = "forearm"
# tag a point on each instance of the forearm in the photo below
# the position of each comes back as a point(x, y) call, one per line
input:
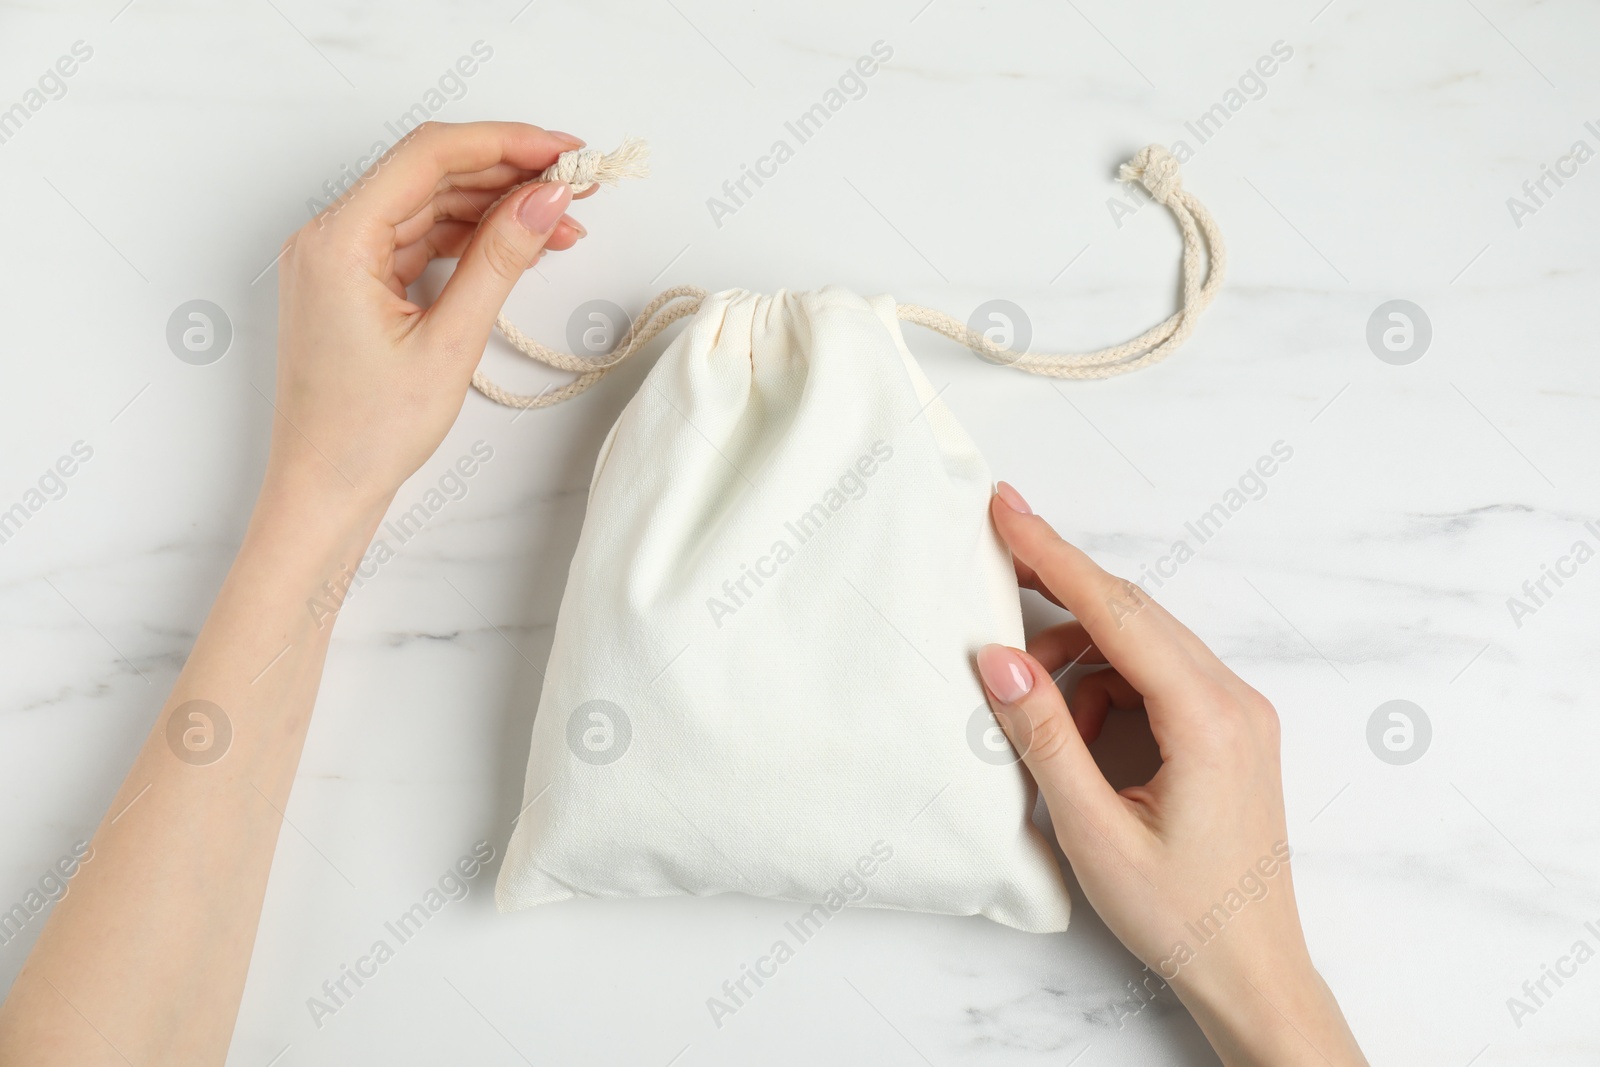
point(145, 959)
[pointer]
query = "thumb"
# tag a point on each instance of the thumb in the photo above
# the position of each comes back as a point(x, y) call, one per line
point(508, 242)
point(1083, 806)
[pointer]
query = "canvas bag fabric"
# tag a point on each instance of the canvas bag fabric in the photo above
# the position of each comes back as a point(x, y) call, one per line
point(762, 679)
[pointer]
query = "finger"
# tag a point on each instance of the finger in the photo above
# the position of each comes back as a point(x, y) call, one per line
point(446, 240)
point(501, 176)
point(567, 233)
point(1094, 698)
point(1138, 642)
point(1027, 579)
point(467, 205)
point(507, 243)
point(1199, 651)
point(449, 238)
point(1082, 803)
point(1062, 646)
point(407, 177)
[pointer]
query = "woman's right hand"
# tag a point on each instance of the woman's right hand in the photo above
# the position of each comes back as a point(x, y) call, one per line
point(1191, 870)
point(369, 382)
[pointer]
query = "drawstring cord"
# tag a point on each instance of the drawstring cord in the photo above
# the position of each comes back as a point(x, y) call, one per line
point(1152, 167)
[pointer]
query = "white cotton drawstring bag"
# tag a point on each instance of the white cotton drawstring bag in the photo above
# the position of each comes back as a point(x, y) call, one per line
point(763, 677)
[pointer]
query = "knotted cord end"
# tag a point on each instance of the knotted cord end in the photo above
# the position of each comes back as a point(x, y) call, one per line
point(1154, 168)
point(583, 167)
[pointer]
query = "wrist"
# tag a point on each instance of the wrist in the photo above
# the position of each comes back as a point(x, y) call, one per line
point(316, 502)
point(1278, 1015)
point(309, 535)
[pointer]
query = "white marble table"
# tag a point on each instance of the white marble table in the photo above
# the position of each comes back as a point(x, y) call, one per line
point(1374, 164)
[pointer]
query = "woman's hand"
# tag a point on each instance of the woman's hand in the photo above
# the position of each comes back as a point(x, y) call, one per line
point(1190, 870)
point(368, 382)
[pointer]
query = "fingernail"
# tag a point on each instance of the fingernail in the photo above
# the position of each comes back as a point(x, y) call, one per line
point(1012, 498)
point(576, 225)
point(542, 209)
point(1004, 673)
point(579, 141)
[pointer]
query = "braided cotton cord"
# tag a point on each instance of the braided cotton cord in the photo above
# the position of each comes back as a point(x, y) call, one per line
point(1153, 167)
point(663, 311)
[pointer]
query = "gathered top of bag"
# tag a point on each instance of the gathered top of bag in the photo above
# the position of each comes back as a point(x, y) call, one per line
point(1153, 167)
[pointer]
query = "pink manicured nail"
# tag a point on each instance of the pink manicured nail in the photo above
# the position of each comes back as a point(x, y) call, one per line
point(1004, 673)
point(579, 141)
point(542, 209)
point(577, 226)
point(1012, 498)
